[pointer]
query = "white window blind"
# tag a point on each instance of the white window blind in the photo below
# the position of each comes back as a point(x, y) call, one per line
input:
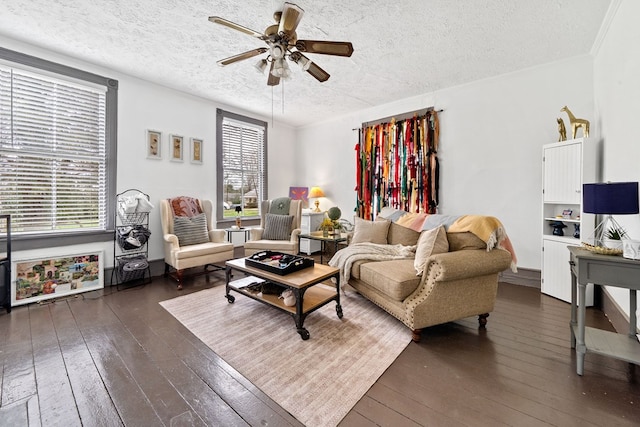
point(52, 153)
point(243, 164)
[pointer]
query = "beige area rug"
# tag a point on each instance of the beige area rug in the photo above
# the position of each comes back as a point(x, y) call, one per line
point(319, 380)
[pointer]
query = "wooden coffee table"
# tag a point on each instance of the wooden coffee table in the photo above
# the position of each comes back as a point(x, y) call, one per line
point(309, 297)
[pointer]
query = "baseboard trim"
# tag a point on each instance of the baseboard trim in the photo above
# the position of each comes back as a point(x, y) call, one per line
point(614, 312)
point(524, 277)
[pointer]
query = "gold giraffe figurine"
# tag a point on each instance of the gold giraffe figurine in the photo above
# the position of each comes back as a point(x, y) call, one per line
point(576, 123)
point(562, 130)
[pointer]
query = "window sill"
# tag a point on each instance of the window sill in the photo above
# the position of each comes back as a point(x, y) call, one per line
point(39, 241)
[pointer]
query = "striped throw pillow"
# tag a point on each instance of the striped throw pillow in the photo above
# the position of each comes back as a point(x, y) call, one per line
point(277, 227)
point(191, 230)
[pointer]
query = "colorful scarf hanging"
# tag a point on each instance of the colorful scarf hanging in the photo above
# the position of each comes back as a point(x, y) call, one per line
point(397, 166)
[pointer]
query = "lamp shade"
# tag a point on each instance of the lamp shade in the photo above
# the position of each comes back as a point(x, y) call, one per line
point(316, 192)
point(612, 198)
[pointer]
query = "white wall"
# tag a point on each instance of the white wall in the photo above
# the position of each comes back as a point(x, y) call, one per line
point(617, 109)
point(143, 105)
point(491, 134)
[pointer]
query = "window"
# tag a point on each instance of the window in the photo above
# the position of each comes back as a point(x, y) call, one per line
point(57, 161)
point(242, 157)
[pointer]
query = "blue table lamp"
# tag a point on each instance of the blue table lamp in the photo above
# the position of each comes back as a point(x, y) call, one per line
point(611, 198)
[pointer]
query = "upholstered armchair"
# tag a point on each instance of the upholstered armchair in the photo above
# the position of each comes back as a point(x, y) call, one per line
point(189, 238)
point(278, 230)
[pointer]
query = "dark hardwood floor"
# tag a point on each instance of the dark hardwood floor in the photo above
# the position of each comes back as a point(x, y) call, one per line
point(110, 358)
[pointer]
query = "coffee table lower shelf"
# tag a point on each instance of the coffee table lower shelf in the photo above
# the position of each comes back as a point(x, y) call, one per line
point(306, 285)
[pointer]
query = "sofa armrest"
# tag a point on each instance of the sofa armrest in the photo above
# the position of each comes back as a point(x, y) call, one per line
point(255, 233)
point(467, 263)
point(172, 241)
point(217, 236)
point(294, 235)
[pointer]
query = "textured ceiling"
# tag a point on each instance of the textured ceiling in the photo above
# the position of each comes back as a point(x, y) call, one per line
point(401, 48)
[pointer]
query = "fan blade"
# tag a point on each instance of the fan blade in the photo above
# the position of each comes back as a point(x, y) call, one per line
point(241, 56)
point(317, 72)
point(273, 80)
point(233, 25)
point(325, 47)
point(291, 16)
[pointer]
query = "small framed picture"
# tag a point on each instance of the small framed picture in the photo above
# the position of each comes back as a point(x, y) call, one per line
point(176, 148)
point(196, 150)
point(154, 144)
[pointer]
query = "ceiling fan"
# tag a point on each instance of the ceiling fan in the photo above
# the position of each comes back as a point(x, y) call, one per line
point(283, 44)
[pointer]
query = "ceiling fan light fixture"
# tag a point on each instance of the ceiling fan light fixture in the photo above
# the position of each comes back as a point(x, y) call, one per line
point(261, 65)
point(277, 52)
point(282, 45)
point(304, 62)
point(281, 69)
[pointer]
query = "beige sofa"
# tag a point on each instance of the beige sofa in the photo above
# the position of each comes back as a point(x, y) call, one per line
point(460, 283)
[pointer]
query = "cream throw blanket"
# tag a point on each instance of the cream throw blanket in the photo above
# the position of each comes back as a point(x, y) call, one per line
point(344, 258)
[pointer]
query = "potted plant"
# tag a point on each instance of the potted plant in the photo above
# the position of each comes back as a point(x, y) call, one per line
point(613, 237)
point(326, 226)
point(334, 214)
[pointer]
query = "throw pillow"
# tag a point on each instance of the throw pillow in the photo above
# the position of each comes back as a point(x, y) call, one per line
point(191, 230)
point(392, 214)
point(185, 206)
point(399, 235)
point(280, 206)
point(277, 227)
point(413, 220)
point(370, 231)
point(431, 242)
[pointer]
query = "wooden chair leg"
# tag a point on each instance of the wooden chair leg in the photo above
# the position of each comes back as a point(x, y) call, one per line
point(166, 269)
point(415, 335)
point(179, 279)
point(482, 319)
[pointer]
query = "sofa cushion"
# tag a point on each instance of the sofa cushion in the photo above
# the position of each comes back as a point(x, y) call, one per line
point(370, 231)
point(355, 267)
point(399, 235)
point(430, 242)
point(191, 230)
point(277, 227)
point(395, 278)
point(464, 240)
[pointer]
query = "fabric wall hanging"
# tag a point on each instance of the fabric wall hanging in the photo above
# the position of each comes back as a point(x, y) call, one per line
point(397, 165)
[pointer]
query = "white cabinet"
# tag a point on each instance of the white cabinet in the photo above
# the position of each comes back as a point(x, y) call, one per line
point(562, 173)
point(310, 221)
point(565, 167)
point(556, 280)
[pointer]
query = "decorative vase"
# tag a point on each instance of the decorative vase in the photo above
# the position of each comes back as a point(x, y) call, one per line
point(325, 232)
point(576, 232)
point(238, 222)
